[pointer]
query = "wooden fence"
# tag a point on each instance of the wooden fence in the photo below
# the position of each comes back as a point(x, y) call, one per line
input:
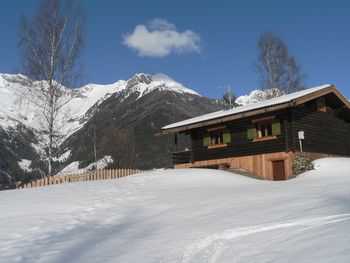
point(89, 176)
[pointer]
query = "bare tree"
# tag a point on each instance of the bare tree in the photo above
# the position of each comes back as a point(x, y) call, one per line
point(278, 71)
point(50, 45)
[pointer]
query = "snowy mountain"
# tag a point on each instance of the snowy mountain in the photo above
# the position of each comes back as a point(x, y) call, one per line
point(124, 105)
point(14, 111)
point(257, 96)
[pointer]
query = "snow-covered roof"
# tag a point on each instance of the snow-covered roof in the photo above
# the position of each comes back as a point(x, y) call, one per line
point(271, 102)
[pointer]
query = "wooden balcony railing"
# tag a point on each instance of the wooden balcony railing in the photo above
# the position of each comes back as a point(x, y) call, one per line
point(182, 157)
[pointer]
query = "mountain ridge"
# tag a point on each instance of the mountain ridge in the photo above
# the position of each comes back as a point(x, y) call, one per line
point(150, 99)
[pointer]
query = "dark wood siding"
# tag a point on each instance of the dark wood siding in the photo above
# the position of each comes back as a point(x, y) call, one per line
point(240, 145)
point(325, 132)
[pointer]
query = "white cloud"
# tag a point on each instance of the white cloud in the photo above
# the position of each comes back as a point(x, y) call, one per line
point(159, 38)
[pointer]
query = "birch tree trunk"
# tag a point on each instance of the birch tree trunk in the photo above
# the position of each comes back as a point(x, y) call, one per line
point(51, 44)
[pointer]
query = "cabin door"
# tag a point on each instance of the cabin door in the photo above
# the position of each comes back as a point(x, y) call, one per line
point(278, 170)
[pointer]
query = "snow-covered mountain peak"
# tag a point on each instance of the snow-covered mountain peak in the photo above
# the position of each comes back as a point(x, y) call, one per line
point(257, 96)
point(144, 83)
point(14, 111)
point(7, 79)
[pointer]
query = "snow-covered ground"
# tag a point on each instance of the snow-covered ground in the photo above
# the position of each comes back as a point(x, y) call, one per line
point(190, 215)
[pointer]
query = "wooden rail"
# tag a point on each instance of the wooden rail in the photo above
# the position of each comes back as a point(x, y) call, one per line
point(89, 176)
point(182, 157)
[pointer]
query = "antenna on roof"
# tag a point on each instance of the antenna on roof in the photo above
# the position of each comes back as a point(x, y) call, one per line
point(229, 97)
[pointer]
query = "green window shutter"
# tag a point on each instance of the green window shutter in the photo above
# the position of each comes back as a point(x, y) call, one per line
point(226, 135)
point(276, 127)
point(206, 139)
point(251, 132)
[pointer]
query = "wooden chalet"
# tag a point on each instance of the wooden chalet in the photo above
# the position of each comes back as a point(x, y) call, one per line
point(266, 138)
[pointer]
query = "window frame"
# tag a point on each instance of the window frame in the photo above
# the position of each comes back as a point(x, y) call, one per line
point(217, 145)
point(258, 133)
point(321, 104)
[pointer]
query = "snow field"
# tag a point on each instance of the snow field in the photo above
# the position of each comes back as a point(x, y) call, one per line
point(185, 215)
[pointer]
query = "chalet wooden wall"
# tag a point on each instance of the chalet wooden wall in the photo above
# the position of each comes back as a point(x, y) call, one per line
point(240, 145)
point(260, 165)
point(325, 132)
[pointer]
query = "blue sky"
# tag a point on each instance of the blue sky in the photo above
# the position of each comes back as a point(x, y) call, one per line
point(213, 42)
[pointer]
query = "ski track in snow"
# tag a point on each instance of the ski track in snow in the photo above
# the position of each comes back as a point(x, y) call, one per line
point(216, 242)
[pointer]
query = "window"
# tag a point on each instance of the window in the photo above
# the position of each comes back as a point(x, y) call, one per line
point(264, 129)
point(321, 104)
point(217, 137)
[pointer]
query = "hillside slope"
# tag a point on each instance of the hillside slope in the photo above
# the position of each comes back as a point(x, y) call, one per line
point(189, 215)
point(138, 107)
